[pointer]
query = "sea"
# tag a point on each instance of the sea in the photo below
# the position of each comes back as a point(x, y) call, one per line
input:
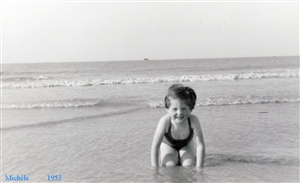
point(95, 121)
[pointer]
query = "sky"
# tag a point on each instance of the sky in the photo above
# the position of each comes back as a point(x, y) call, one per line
point(70, 31)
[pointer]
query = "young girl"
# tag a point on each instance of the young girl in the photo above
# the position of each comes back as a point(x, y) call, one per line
point(176, 131)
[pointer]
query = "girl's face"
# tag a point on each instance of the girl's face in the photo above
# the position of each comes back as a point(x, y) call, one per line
point(178, 110)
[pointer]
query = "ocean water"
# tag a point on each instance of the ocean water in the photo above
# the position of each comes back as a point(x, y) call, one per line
point(94, 121)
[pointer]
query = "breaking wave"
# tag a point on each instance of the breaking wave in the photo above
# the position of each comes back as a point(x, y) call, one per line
point(55, 104)
point(209, 101)
point(28, 79)
point(237, 100)
point(42, 83)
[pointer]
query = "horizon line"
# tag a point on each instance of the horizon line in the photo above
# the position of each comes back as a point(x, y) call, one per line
point(147, 59)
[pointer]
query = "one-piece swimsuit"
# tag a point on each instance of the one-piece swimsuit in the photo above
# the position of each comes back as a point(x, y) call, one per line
point(179, 143)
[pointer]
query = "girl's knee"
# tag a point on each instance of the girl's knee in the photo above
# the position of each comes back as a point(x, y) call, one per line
point(170, 163)
point(188, 159)
point(188, 162)
point(169, 160)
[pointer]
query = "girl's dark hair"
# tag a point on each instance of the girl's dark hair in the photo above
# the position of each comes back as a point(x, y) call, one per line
point(178, 91)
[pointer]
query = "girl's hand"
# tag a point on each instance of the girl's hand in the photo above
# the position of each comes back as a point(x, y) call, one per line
point(199, 169)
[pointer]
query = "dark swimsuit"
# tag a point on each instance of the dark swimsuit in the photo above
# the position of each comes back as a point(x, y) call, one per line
point(179, 143)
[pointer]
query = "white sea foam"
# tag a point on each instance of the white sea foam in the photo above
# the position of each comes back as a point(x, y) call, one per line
point(28, 79)
point(237, 100)
point(183, 78)
point(53, 104)
point(210, 101)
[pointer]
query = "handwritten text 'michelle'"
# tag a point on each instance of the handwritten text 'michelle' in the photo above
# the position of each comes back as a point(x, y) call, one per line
point(16, 178)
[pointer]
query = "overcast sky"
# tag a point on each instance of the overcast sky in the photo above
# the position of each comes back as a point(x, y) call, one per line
point(109, 31)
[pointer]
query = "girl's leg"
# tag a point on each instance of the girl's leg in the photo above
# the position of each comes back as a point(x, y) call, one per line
point(187, 155)
point(169, 155)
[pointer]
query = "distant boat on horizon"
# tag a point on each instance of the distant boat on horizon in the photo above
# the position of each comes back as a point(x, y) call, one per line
point(146, 59)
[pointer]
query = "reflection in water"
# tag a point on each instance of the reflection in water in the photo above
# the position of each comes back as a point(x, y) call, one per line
point(230, 168)
point(178, 174)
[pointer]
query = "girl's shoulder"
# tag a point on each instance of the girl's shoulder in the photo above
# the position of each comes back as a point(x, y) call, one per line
point(165, 120)
point(194, 119)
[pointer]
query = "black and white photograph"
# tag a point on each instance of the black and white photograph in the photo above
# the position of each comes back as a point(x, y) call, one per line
point(149, 91)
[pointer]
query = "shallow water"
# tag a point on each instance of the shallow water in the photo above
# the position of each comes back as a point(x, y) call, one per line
point(257, 147)
point(103, 133)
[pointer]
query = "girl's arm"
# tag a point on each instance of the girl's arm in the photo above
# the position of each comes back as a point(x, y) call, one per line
point(200, 146)
point(157, 139)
